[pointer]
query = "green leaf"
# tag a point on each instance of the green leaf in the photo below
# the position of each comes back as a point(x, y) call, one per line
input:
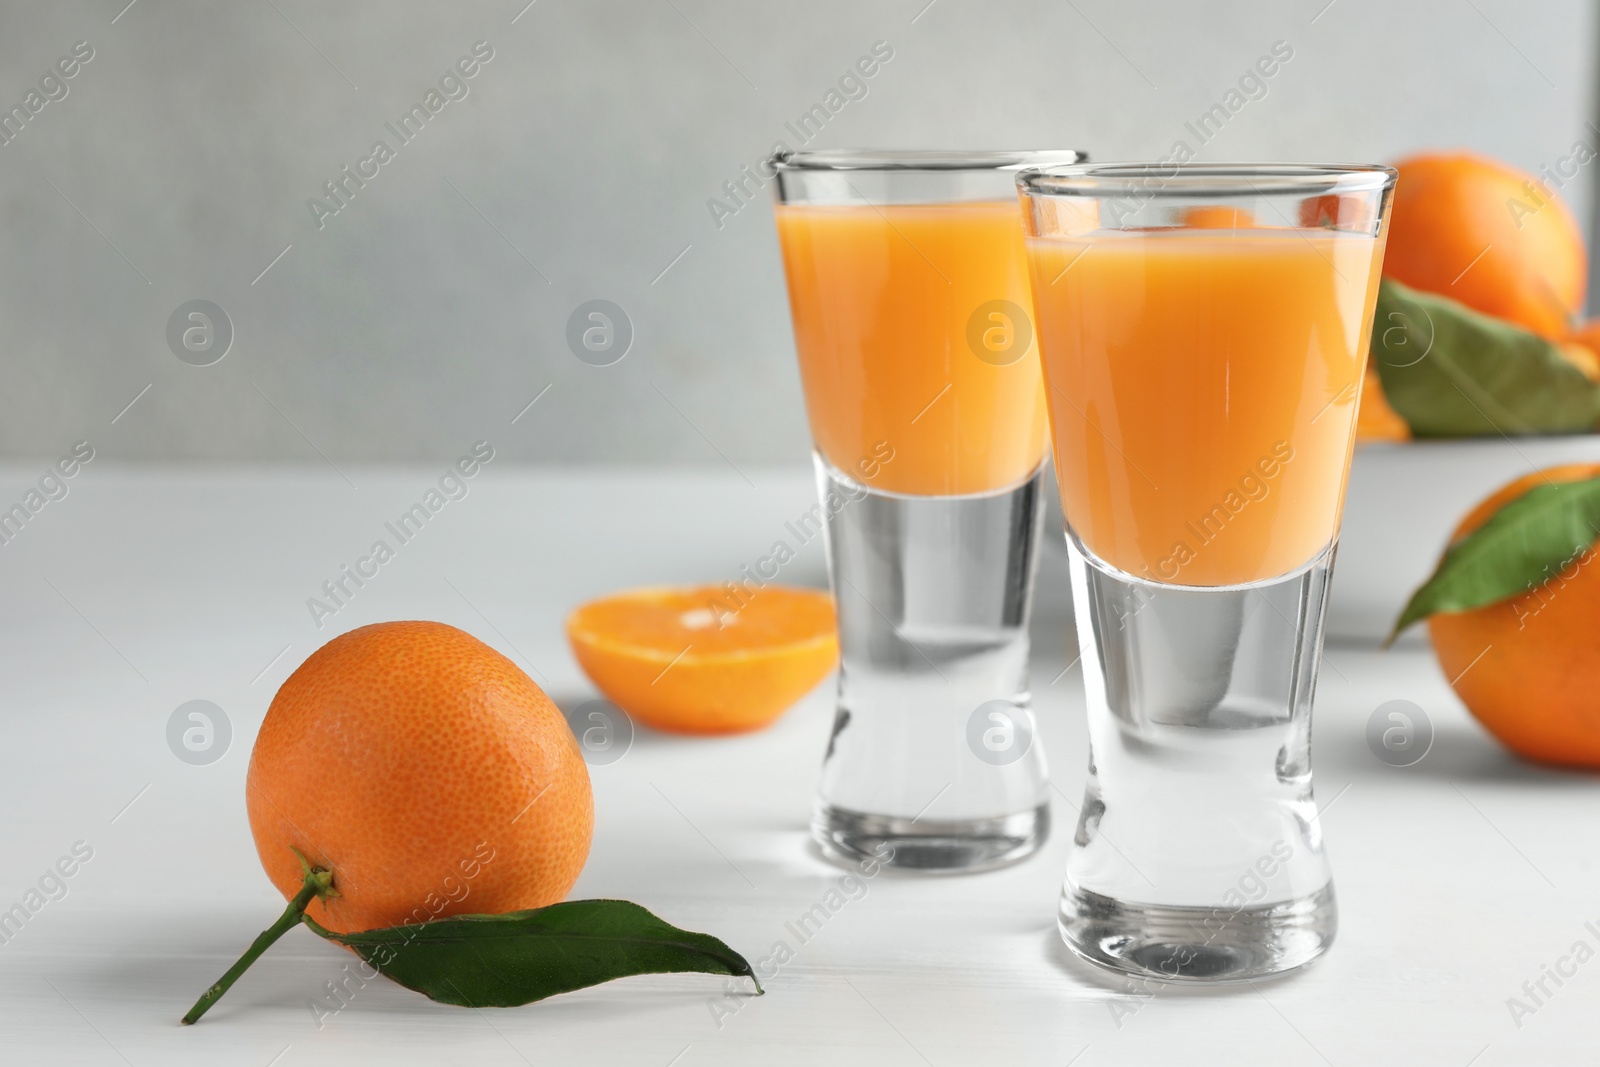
point(503, 960)
point(1452, 372)
point(1526, 543)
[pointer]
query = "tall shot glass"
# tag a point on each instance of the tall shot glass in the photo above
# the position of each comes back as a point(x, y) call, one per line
point(909, 295)
point(1203, 332)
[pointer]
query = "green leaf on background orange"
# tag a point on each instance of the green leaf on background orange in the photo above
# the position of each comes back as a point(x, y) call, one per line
point(1526, 543)
point(1452, 372)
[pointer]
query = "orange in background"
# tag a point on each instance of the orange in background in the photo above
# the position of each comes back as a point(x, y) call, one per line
point(1582, 349)
point(1377, 420)
point(427, 772)
point(1489, 235)
point(1217, 217)
point(884, 300)
point(1527, 667)
point(708, 659)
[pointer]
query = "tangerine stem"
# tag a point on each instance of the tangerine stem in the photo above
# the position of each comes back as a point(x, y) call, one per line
point(319, 882)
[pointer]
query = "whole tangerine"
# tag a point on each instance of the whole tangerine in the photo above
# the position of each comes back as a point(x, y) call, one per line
point(1496, 238)
point(427, 772)
point(1526, 667)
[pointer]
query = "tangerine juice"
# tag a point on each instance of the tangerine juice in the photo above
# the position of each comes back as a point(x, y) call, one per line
point(1204, 387)
point(892, 305)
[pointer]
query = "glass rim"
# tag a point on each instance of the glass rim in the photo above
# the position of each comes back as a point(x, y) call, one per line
point(916, 159)
point(1204, 179)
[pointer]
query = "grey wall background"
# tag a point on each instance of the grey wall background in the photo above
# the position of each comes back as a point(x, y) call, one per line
point(431, 310)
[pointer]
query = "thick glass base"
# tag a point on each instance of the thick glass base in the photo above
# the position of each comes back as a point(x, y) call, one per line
point(1210, 945)
point(1198, 854)
point(934, 751)
point(929, 845)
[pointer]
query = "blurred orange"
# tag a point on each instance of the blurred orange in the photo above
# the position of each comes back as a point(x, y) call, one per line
point(1527, 667)
point(1582, 349)
point(1217, 217)
point(1489, 235)
point(1376, 420)
point(1339, 211)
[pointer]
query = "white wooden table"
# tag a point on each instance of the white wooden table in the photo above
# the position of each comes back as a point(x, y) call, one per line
point(1459, 878)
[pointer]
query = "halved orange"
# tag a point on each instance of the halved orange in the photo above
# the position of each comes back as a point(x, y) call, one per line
point(706, 659)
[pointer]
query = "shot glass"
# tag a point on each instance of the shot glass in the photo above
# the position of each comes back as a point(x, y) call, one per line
point(1203, 332)
point(909, 294)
